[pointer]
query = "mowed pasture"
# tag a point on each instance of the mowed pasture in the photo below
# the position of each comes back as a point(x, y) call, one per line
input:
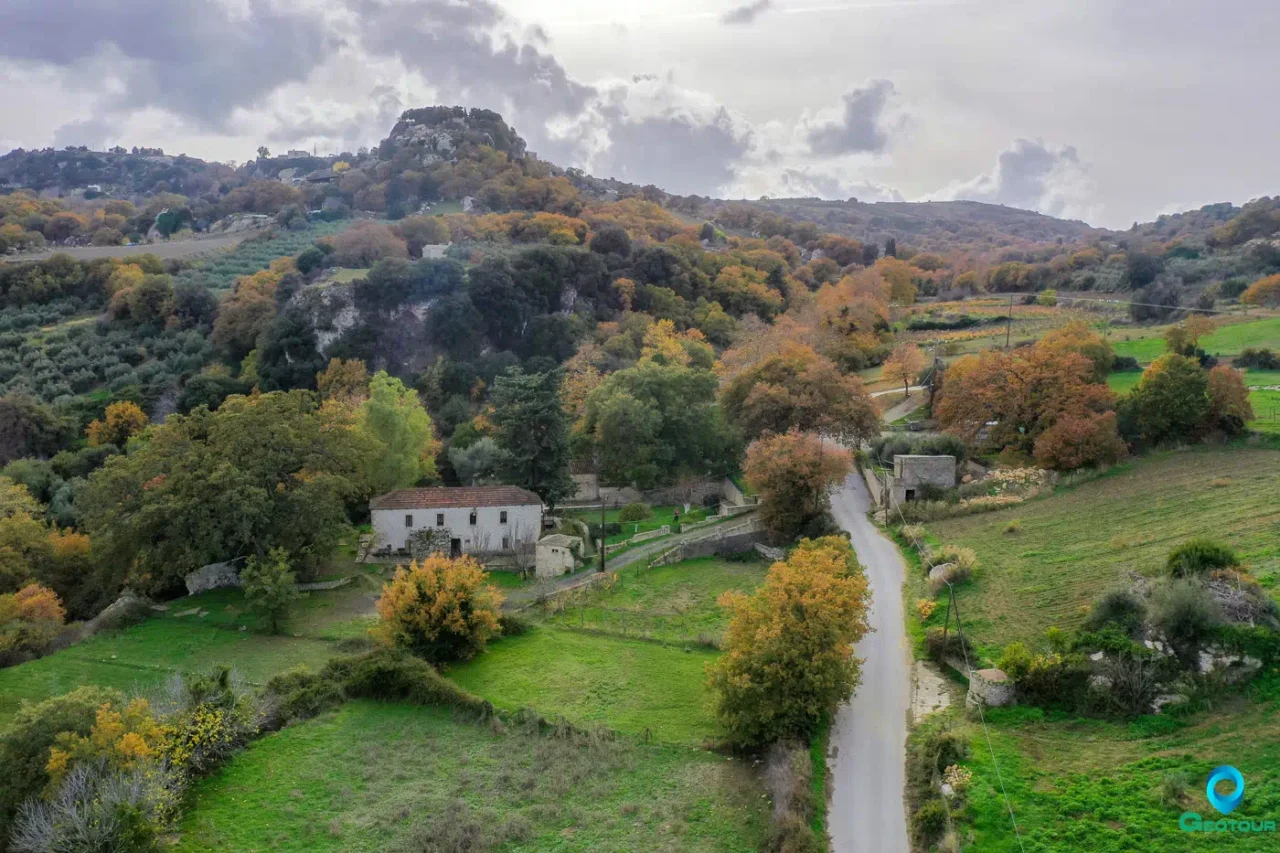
point(629, 685)
point(1229, 339)
point(373, 777)
point(1072, 546)
point(676, 603)
point(141, 657)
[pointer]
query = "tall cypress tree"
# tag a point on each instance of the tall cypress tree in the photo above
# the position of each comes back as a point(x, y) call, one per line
point(533, 432)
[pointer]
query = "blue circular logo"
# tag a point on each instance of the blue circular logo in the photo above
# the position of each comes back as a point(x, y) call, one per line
point(1225, 803)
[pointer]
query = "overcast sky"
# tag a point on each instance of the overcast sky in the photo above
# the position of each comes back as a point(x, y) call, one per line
point(1106, 110)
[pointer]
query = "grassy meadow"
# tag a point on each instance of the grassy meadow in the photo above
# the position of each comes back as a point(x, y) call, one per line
point(1074, 545)
point(676, 603)
point(1102, 786)
point(220, 631)
point(629, 685)
point(375, 777)
point(1229, 339)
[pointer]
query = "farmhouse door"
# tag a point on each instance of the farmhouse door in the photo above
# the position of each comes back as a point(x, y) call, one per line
point(455, 547)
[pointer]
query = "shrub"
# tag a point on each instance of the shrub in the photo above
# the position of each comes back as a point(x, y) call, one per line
point(1118, 607)
point(926, 607)
point(1187, 615)
point(1173, 789)
point(440, 609)
point(1199, 556)
point(1014, 526)
point(425, 541)
point(635, 512)
point(1015, 660)
point(96, 809)
point(930, 821)
point(959, 778)
point(1132, 683)
point(1055, 679)
point(24, 746)
point(913, 533)
point(788, 659)
point(1125, 364)
point(941, 645)
point(1257, 359)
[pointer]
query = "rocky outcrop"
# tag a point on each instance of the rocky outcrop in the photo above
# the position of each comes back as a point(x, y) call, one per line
point(214, 576)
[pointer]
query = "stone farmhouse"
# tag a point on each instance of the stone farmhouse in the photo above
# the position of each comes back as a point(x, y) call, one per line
point(479, 519)
point(914, 475)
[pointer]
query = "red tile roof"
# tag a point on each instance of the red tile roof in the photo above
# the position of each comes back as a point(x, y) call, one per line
point(448, 497)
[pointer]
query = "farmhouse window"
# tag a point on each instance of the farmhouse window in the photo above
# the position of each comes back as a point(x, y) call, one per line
point(473, 518)
point(502, 517)
point(408, 521)
point(439, 519)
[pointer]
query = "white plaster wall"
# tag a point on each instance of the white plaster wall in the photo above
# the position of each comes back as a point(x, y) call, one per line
point(524, 524)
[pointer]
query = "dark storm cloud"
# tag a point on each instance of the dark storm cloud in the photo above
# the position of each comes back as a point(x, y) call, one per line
point(677, 153)
point(191, 57)
point(746, 14)
point(860, 127)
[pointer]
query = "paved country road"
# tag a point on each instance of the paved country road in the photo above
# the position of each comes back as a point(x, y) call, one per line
point(867, 812)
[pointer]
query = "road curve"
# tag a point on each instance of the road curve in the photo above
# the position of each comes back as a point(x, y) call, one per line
point(868, 772)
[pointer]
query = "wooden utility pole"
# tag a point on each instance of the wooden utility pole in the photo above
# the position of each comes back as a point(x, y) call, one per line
point(1008, 325)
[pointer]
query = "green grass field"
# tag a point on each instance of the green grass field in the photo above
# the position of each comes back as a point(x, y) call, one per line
point(671, 603)
point(662, 516)
point(624, 684)
point(1100, 786)
point(1227, 340)
point(375, 777)
point(145, 655)
point(1076, 544)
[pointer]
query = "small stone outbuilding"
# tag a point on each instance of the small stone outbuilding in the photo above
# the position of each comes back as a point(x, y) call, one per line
point(913, 474)
point(990, 688)
point(557, 555)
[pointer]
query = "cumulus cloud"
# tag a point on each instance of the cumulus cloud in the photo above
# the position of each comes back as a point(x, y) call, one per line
point(768, 179)
point(196, 58)
point(747, 13)
point(459, 50)
point(861, 125)
point(1033, 176)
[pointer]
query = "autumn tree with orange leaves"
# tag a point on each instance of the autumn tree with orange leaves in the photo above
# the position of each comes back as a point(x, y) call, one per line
point(794, 474)
point(441, 609)
point(788, 661)
point(799, 389)
point(903, 365)
point(1264, 292)
point(30, 619)
point(997, 400)
point(1229, 407)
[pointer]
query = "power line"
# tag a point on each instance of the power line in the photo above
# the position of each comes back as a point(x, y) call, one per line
point(964, 647)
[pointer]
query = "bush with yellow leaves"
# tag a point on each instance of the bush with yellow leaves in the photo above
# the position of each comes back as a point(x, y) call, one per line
point(441, 609)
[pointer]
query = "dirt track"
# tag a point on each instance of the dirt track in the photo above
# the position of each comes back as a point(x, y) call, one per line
point(175, 249)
